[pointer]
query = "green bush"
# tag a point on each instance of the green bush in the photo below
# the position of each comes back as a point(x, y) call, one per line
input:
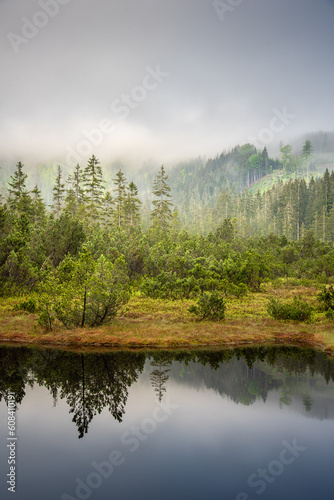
point(28, 305)
point(326, 300)
point(89, 293)
point(168, 286)
point(298, 310)
point(209, 306)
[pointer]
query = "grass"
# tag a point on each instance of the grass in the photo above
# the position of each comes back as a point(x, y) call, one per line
point(146, 322)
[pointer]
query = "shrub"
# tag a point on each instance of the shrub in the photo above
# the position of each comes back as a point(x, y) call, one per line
point(298, 310)
point(209, 306)
point(230, 288)
point(89, 293)
point(28, 305)
point(326, 300)
point(168, 286)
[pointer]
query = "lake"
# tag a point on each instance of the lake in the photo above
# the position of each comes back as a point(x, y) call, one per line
point(236, 424)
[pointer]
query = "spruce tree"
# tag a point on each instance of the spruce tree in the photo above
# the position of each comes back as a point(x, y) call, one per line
point(38, 206)
point(132, 205)
point(58, 191)
point(286, 157)
point(19, 200)
point(120, 198)
point(94, 187)
point(75, 194)
point(162, 213)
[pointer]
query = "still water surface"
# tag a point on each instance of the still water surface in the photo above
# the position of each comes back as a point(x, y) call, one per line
point(244, 424)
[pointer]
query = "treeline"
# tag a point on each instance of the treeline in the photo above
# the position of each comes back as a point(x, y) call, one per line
point(287, 209)
point(198, 181)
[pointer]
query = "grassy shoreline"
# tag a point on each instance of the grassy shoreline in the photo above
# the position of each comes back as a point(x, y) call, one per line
point(147, 323)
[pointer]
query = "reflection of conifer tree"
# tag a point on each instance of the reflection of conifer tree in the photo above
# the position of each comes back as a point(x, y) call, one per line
point(159, 377)
point(307, 401)
point(80, 404)
point(97, 382)
point(120, 372)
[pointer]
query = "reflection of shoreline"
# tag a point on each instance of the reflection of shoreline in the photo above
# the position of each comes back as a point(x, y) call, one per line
point(91, 382)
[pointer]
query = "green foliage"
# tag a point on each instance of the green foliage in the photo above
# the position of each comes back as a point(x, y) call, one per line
point(46, 315)
point(326, 300)
point(84, 292)
point(209, 306)
point(234, 290)
point(28, 305)
point(298, 310)
point(168, 286)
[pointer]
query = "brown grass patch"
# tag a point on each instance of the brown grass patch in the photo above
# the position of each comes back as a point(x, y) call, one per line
point(156, 323)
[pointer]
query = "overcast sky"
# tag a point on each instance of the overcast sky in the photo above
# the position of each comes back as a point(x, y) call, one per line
point(161, 79)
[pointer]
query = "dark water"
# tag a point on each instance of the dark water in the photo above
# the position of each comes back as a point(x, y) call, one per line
point(233, 424)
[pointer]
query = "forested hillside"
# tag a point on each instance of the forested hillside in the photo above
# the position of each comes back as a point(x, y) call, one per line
point(199, 181)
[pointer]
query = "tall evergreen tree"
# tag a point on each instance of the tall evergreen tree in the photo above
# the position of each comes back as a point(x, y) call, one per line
point(162, 213)
point(19, 200)
point(286, 157)
point(94, 187)
point(75, 194)
point(38, 206)
point(58, 192)
point(120, 198)
point(132, 205)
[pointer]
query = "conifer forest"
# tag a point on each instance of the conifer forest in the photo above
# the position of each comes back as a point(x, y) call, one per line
point(202, 232)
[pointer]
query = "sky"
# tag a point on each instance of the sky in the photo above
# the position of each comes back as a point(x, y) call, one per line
point(161, 80)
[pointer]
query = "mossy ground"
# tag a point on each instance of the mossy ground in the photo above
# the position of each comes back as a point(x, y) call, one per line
point(159, 323)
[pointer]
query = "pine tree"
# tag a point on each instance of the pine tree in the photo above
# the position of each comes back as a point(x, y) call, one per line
point(162, 213)
point(19, 199)
point(132, 205)
point(286, 157)
point(93, 187)
point(38, 206)
point(265, 159)
point(58, 191)
point(75, 194)
point(120, 198)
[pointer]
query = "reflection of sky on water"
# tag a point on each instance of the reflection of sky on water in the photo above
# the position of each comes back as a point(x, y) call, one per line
point(207, 447)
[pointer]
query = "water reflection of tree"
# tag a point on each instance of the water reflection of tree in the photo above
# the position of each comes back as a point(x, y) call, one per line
point(103, 381)
point(91, 382)
point(307, 400)
point(88, 382)
point(14, 372)
point(159, 377)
